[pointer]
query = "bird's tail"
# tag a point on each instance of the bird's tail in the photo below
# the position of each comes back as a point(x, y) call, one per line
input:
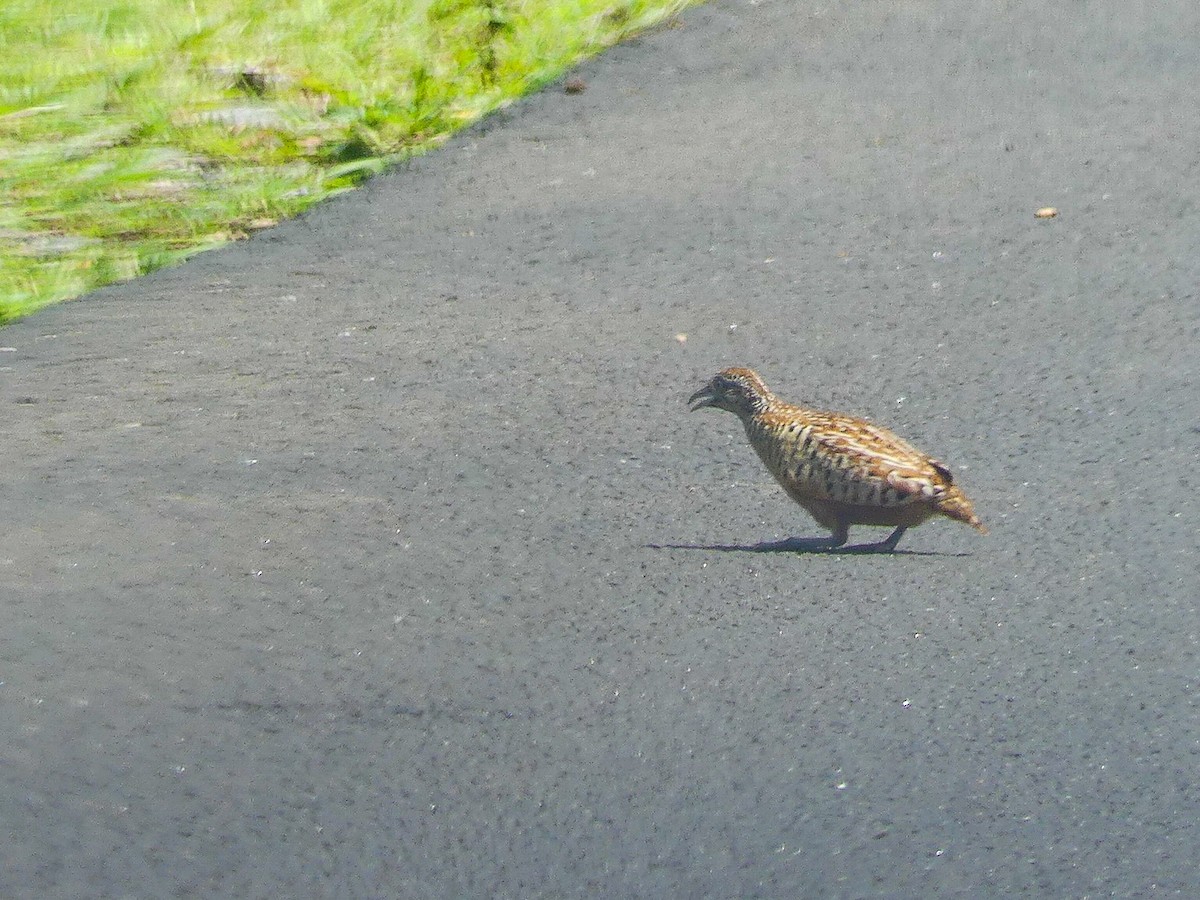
point(954, 503)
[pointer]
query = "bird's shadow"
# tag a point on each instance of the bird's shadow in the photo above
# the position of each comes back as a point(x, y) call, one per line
point(802, 546)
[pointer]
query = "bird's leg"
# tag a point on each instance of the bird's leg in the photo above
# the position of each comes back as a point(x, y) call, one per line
point(888, 545)
point(884, 546)
point(840, 535)
point(817, 545)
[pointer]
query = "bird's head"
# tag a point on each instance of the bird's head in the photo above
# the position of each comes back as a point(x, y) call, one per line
point(738, 390)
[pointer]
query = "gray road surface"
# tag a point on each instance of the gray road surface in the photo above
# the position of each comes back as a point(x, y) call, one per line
point(378, 556)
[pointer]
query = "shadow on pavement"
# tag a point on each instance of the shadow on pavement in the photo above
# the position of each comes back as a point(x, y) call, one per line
point(801, 546)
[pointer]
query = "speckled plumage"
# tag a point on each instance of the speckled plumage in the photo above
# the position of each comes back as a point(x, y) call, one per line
point(842, 469)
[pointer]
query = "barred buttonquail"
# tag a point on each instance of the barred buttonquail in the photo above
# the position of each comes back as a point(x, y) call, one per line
point(843, 470)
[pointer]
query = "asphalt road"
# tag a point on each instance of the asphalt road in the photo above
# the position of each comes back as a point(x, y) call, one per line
point(379, 556)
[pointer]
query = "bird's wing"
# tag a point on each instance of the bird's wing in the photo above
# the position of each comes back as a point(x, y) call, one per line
point(874, 454)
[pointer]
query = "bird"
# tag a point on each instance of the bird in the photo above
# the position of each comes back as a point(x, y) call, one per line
point(842, 469)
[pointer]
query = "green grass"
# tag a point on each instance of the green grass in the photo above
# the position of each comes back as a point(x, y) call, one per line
point(134, 133)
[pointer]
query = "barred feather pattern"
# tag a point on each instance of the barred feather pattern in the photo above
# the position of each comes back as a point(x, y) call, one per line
point(828, 456)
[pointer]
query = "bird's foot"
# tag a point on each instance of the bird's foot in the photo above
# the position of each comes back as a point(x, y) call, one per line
point(888, 545)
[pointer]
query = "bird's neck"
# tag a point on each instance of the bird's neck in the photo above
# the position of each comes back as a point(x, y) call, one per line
point(757, 406)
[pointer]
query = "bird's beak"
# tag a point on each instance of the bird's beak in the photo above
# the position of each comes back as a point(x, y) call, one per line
point(704, 396)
